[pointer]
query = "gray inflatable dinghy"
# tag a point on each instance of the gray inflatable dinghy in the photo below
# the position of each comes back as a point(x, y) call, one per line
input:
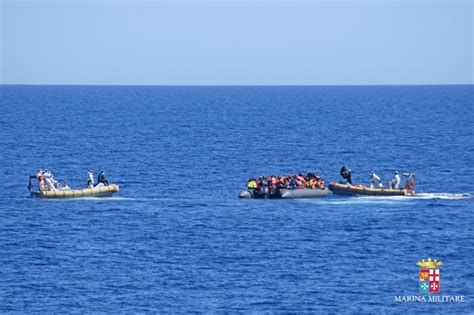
point(285, 193)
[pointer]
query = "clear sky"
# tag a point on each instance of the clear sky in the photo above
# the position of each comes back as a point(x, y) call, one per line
point(237, 42)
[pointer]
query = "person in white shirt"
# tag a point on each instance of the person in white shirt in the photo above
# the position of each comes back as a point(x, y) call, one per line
point(373, 178)
point(90, 179)
point(50, 181)
point(396, 181)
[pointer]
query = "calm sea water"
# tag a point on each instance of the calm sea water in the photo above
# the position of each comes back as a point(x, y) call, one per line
point(177, 239)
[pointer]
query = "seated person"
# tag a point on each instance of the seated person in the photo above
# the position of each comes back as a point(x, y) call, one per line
point(251, 184)
point(101, 179)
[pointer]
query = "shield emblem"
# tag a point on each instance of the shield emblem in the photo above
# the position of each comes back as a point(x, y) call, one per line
point(429, 281)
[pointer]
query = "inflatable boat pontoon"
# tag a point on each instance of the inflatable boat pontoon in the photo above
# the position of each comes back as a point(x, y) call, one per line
point(102, 191)
point(285, 193)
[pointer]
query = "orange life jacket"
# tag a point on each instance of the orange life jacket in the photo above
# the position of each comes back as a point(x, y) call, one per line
point(321, 184)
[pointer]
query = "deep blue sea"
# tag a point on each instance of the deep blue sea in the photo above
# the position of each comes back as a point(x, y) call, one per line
point(177, 238)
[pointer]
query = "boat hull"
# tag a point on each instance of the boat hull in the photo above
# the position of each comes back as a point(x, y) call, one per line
point(285, 194)
point(303, 193)
point(253, 194)
point(104, 191)
point(345, 189)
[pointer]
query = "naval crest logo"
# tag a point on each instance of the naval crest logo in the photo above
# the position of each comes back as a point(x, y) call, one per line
point(429, 276)
point(429, 282)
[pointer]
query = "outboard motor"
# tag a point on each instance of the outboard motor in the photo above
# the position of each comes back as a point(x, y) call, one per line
point(410, 182)
point(30, 183)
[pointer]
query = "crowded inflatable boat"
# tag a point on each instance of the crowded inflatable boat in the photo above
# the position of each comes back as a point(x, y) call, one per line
point(291, 186)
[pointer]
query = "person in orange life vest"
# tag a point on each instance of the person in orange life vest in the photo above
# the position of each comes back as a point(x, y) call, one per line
point(321, 184)
point(301, 184)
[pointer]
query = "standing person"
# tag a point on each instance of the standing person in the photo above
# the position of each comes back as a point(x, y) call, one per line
point(396, 181)
point(50, 181)
point(346, 174)
point(90, 179)
point(41, 180)
point(373, 178)
point(410, 182)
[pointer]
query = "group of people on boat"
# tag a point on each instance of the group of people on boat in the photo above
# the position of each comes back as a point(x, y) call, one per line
point(46, 181)
point(269, 184)
point(374, 179)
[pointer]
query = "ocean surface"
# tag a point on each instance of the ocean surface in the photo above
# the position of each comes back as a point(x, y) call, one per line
point(177, 238)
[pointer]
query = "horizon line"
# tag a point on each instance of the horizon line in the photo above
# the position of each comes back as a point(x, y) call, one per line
point(234, 85)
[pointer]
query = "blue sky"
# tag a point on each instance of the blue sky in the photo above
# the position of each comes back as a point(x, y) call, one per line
point(236, 42)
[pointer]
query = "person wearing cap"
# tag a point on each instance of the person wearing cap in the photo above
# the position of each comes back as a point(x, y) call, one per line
point(90, 179)
point(396, 181)
point(373, 178)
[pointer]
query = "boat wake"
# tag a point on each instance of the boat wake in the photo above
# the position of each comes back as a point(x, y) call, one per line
point(356, 200)
point(93, 199)
point(346, 200)
point(112, 198)
point(447, 196)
